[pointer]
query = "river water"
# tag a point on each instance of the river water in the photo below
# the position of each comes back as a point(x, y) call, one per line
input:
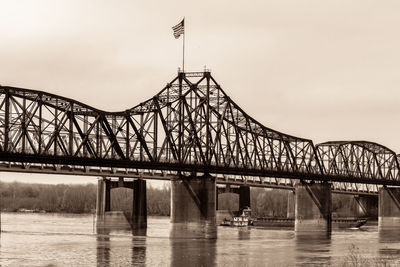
point(32, 239)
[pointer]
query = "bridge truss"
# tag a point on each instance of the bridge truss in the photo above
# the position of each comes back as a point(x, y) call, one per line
point(191, 125)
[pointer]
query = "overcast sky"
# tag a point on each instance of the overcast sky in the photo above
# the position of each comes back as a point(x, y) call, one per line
point(323, 70)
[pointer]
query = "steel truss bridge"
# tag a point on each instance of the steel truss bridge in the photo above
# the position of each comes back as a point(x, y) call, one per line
point(191, 125)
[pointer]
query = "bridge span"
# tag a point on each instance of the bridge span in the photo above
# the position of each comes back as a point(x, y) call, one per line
point(193, 134)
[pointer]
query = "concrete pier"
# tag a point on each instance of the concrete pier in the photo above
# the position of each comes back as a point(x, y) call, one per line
point(244, 197)
point(291, 203)
point(105, 218)
point(313, 207)
point(103, 198)
point(139, 213)
point(193, 207)
point(389, 208)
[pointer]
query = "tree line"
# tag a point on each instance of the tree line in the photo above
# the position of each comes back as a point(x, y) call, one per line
point(82, 199)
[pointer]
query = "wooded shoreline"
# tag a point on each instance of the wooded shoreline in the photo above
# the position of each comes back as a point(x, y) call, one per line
point(81, 198)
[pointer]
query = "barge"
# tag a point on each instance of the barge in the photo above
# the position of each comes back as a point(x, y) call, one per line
point(286, 222)
point(243, 218)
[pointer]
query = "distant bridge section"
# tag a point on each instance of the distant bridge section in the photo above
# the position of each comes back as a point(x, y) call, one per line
point(191, 125)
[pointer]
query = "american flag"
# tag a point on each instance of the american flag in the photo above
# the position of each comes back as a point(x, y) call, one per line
point(179, 29)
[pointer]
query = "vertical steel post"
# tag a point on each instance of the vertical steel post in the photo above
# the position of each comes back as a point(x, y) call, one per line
point(23, 121)
point(208, 135)
point(7, 122)
point(55, 128)
point(40, 124)
point(127, 137)
point(180, 122)
point(141, 134)
point(155, 141)
point(71, 129)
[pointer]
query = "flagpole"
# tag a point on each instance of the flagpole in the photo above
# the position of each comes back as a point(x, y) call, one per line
point(183, 55)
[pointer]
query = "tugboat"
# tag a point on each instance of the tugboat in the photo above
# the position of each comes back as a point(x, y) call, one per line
point(243, 219)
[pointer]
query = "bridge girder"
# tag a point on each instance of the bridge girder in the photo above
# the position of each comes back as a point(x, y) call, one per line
point(191, 125)
point(359, 159)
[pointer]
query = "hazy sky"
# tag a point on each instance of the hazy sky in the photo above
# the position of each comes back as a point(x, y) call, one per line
point(324, 70)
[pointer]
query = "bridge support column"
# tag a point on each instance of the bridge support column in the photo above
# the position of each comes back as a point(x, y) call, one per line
point(313, 207)
point(193, 206)
point(117, 220)
point(139, 213)
point(103, 199)
point(389, 208)
point(366, 206)
point(216, 198)
point(291, 203)
point(244, 197)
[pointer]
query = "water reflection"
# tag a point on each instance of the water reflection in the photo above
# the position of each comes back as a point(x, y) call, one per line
point(138, 251)
point(31, 238)
point(192, 230)
point(244, 233)
point(313, 247)
point(113, 247)
point(193, 252)
point(389, 238)
point(193, 244)
point(103, 247)
point(139, 232)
